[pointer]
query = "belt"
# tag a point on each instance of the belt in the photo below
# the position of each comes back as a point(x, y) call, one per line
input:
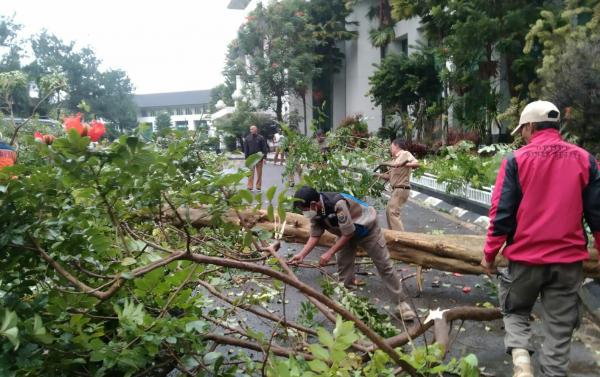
point(402, 187)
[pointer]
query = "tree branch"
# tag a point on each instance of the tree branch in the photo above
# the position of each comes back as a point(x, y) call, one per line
point(251, 309)
point(277, 350)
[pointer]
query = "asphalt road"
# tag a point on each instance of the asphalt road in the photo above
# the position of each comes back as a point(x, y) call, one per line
point(484, 339)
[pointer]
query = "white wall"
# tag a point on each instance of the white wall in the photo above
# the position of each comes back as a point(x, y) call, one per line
point(178, 118)
point(351, 84)
point(410, 28)
point(339, 92)
point(360, 59)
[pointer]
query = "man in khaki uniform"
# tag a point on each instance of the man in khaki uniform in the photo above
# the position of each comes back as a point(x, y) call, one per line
point(399, 177)
point(355, 224)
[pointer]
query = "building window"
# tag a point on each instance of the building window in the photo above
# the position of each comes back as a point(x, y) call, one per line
point(180, 111)
point(181, 125)
point(401, 44)
point(202, 126)
point(188, 111)
point(144, 113)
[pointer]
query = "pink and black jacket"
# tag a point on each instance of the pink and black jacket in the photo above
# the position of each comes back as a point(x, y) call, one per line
point(542, 194)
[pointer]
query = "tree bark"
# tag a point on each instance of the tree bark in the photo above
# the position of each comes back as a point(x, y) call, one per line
point(454, 253)
point(279, 109)
point(304, 109)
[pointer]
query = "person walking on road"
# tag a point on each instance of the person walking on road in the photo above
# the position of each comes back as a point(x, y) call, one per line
point(542, 193)
point(399, 177)
point(278, 140)
point(355, 224)
point(254, 143)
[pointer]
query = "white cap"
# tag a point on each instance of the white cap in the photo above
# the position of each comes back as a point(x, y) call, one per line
point(536, 112)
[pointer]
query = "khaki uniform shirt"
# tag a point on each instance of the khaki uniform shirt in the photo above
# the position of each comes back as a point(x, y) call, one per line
point(401, 176)
point(348, 214)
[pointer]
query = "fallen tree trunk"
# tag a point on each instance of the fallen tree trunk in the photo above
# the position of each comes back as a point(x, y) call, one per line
point(454, 253)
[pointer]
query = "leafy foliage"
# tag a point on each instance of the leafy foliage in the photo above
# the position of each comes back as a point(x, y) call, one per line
point(401, 81)
point(277, 45)
point(342, 168)
point(568, 73)
point(68, 207)
point(476, 41)
point(332, 358)
point(163, 123)
point(459, 165)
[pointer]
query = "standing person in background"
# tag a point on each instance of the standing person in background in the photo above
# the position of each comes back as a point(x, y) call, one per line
point(278, 140)
point(399, 177)
point(542, 193)
point(254, 143)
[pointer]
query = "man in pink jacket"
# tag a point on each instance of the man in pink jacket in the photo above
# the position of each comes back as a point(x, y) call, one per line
point(542, 193)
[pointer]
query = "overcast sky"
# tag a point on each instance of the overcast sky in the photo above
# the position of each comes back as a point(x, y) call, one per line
point(163, 45)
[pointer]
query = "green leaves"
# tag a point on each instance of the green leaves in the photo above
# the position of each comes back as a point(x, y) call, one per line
point(230, 179)
point(9, 327)
point(39, 331)
point(130, 314)
point(253, 160)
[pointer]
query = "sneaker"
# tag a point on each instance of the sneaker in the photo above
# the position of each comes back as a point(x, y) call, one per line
point(405, 312)
point(521, 363)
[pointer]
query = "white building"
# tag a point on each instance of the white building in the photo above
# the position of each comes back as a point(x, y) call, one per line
point(351, 85)
point(188, 110)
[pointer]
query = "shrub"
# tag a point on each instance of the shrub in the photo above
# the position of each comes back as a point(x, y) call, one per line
point(455, 136)
point(419, 150)
point(230, 142)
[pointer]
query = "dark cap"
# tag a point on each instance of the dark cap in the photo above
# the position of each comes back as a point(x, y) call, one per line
point(304, 196)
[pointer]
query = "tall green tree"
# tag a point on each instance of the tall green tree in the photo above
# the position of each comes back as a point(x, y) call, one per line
point(11, 51)
point(163, 123)
point(287, 47)
point(409, 85)
point(479, 37)
point(109, 93)
point(221, 92)
point(569, 73)
point(114, 102)
point(330, 27)
point(277, 45)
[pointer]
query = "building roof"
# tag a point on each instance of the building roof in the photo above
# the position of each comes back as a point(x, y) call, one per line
point(192, 97)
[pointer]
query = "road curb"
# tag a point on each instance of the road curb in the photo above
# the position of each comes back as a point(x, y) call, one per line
point(442, 206)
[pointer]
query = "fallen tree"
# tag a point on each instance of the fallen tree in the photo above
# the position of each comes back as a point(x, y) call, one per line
point(454, 253)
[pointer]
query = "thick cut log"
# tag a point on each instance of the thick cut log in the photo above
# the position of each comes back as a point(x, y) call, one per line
point(454, 253)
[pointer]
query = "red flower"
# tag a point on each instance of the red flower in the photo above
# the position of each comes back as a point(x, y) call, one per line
point(74, 122)
point(96, 130)
point(299, 14)
point(275, 65)
point(49, 139)
point(46, 139)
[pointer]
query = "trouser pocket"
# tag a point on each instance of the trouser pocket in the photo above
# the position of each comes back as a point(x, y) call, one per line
point(519, 288)
point(504, 286)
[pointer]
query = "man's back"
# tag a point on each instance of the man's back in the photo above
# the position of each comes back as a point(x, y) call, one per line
point(541, 204)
